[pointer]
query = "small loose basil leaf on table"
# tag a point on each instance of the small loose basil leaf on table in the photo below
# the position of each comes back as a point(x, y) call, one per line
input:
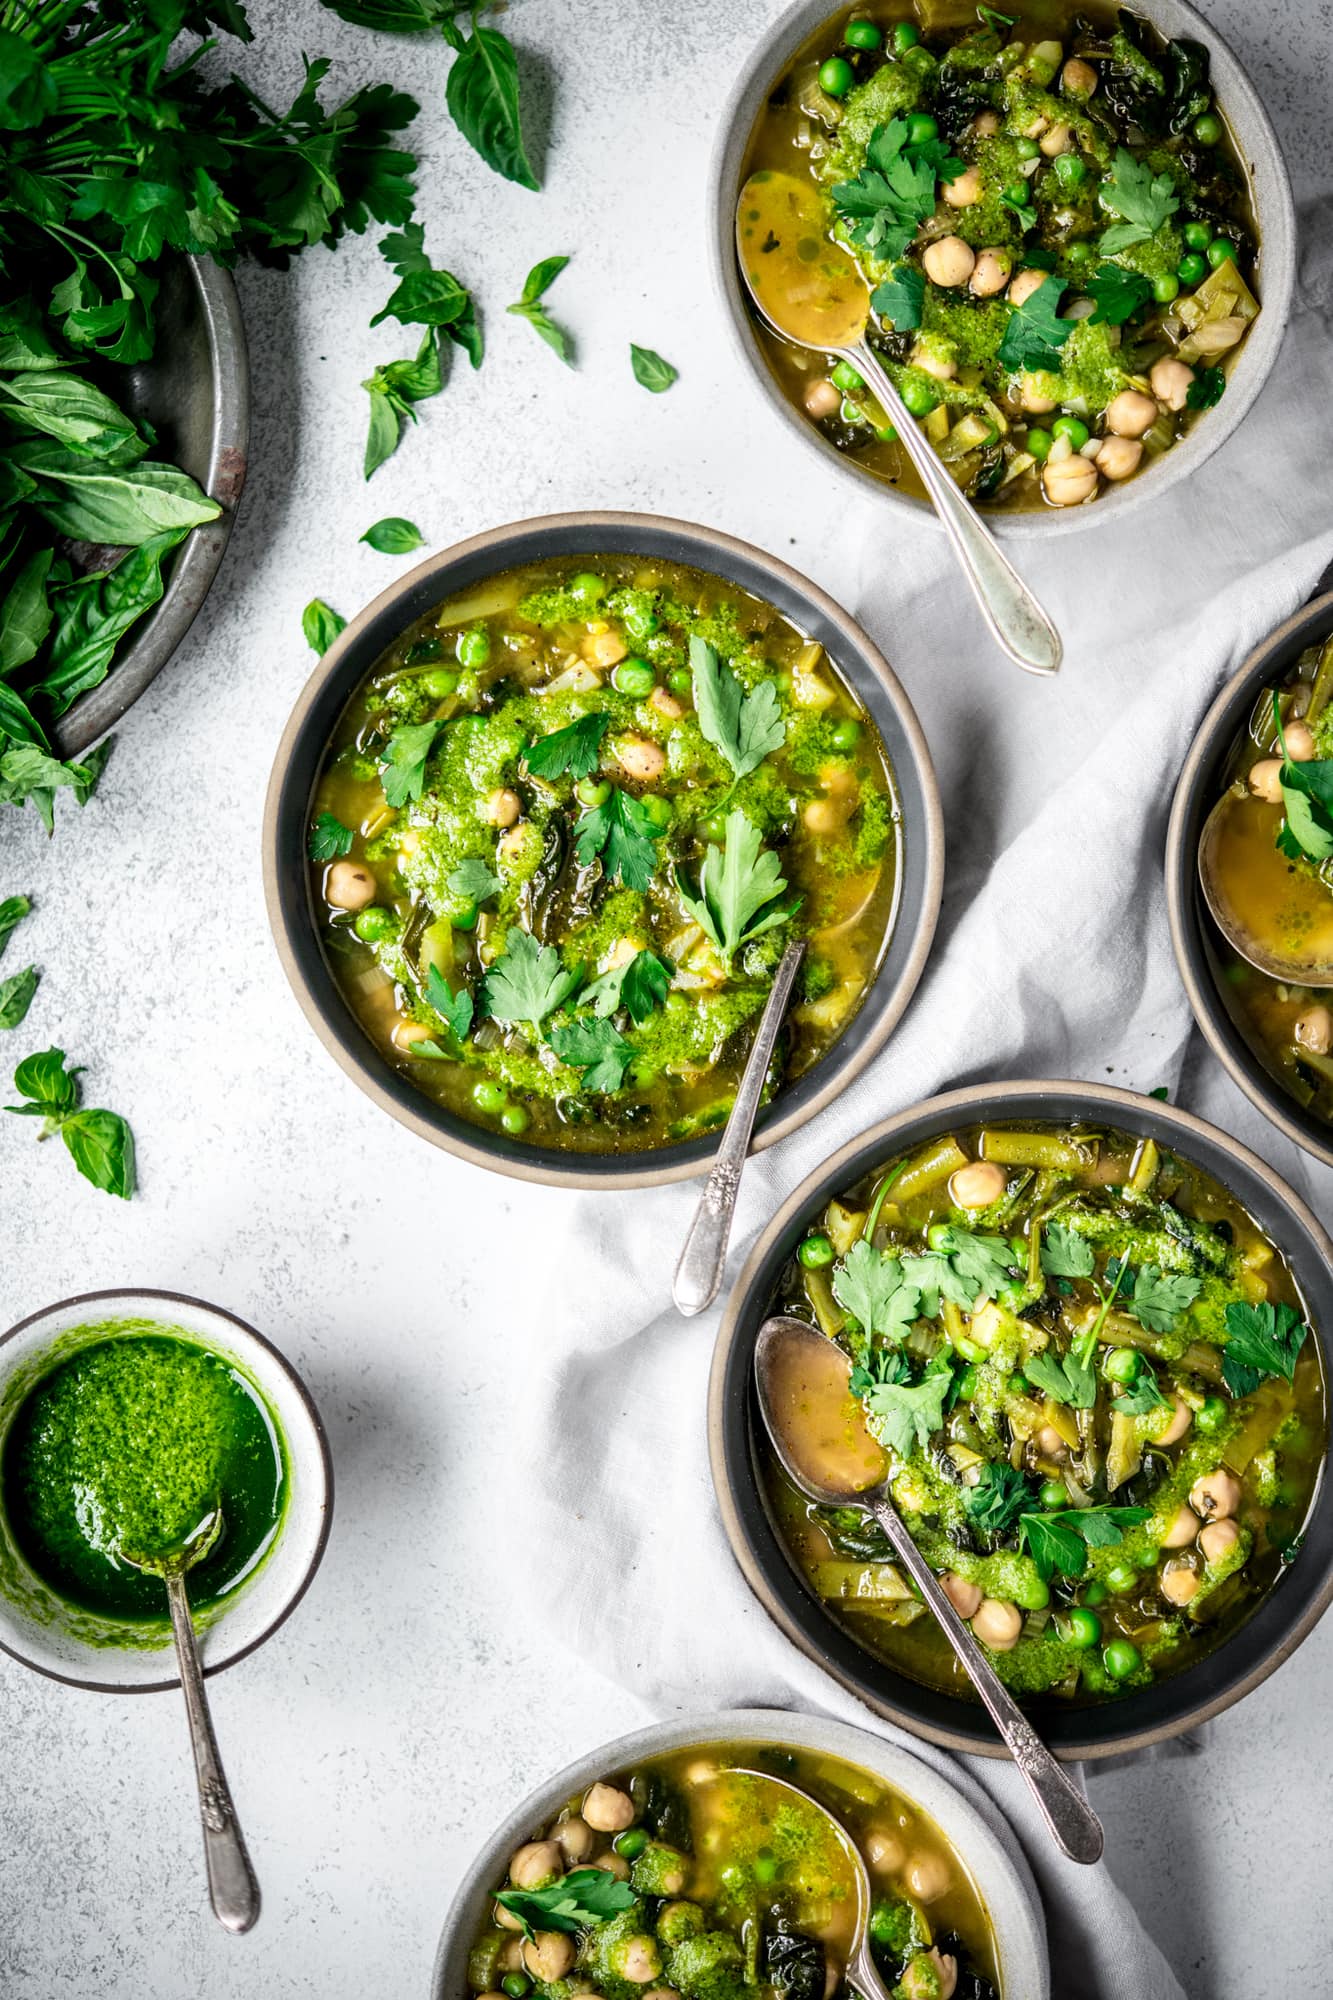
point(101, 1146)
point(651, 370)
point(329, 838)
point(321, 624)
point(44, 1079)
point(482, 95)
point(393, 536)
point(427, 295)
point(572, 751)
point(396, 389)
point(13, 909)
point(529, 307)
point(16, 994)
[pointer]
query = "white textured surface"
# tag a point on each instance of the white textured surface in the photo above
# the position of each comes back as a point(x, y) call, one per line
point(414, 1694)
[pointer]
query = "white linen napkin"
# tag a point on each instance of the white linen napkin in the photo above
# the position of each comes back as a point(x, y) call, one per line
point(1052, 959)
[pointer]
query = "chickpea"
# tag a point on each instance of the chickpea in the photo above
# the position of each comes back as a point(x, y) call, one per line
point(639, 1960)
point(512, 840)
point(502, 807)
point(536, 1864)
point(1218, 1539)
point(1049, 1442)
point(965, 1597)
point(884, 1851)
point(950, 261)
point(928, 1877)
point(937, 365)
point(573, 1836)
point(349, 886)
point(1300, 742)
point(407, 1033)
point(931, 1975)
point(1170, 381)
point(1216, 1495)
point(1118, 457)
point(1179, 1584)
point(990, 273)
point(549, 1955)
point(1035, 126)
point(1024, 285)
point(1068, 482)
point(641, 758)
point(821, 399)
point(986, 124)
point(1078, 78)
point(822, 817)
point(666, 705)
point(1184, 1527)
point(608, 1809)
point(1176, 1424)
point(506, 1918)
point(611, 1864)
point(1056, 140)
point(1131, 413)
point(1314, 1029)
point(1265, 780)
point(997, 1624)
point(963, 189)
point(977, 1184)
point(1034, 396)
point(509, 1958)
point(604, 649)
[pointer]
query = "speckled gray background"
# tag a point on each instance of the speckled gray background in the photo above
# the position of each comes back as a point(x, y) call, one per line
point(410, 1698)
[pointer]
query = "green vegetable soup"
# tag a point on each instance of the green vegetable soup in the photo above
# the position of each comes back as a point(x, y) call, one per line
point(701, 1875)
point(122, 1449)
point(1054, 224)
point(1094, 1393)
point(565, 831)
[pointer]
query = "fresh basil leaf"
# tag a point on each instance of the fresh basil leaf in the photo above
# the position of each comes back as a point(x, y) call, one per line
point(403, 761)
point(16, 996)
point(651, 372)
point(624, 834)
point(482, 94)
point(425, 295)
point(321, 624)
point(569, 752)
point(119, 505)
point(45, 1079)
point(528, 307)
point(393, 536)
point(101, 1146)
point(740, 887)
point(745, 728)
point(93, 614)
point(63, 406)
point(527, 982)
point(26, 616)
point(13, 910)
point(596, 1048)
point(329, 838)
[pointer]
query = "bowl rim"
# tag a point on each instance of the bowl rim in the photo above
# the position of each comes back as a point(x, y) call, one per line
point(200, 555)
point(1261, 157)
point(1021, 1938)
point(706, 548)
point(729, 1411)
point(1189, 926)
point(128, 1296)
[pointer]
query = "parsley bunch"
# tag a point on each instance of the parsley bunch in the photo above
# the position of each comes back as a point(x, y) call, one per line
point(894, 193)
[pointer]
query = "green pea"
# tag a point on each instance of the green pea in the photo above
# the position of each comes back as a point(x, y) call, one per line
point(587, 588)
point(1192, 268)
point(1039, 443)
point(474, 647)
point(919, 397)
point(714, 827)
point(1120, 1577)
point(514, 1119)
point(1208, 129)
point(1026, 149)
point(816, 1252)
point(845, 377)
point(1149, 1559)
point(1220, 249)
point(363, 769)
point(1017, 1385)
point(921, 60)
point(681, 681)
point(439, 684)
point(1164, 289)
point(862, 35)
point(1070, 170)
point(592, 792)
point(967, 1384)
point(845, 735)
point(633, 676)
point(644, 1074)
point(1121, 1659)
point(1094, 1593)
point(1054, 1494)
point(660, 811)
point(1122, 1364)
point(1212, 1416)
point(921, 127)
point(1080, 253)
point(631, 1843)
point(1032, 1594)
point(466, 918)
point(1072, 428)
point(1082, 1628)
point(836, 76)
point(851, 413)
point(515, 1984)
point(374, 925)
point(885, 433)
point(1197, 235)
point(906, 35)
point(640, 621)
point(488, 1097)
point(1017, 192)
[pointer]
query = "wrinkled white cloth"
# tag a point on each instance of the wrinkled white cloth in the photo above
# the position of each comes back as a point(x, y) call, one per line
point(1052, 959)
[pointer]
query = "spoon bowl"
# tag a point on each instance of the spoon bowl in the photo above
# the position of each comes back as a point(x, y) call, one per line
point(1274, 915)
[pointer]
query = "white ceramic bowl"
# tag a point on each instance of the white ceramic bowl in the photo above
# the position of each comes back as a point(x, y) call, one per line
point(1270, 188)
point(37, 1627)
point(1005, 1887)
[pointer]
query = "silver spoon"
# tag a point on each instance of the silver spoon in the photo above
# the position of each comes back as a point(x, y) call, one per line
point(232, 1888)
point(703, 1259)
point(812, 294)
point(1313, 967)
point(795, 1367)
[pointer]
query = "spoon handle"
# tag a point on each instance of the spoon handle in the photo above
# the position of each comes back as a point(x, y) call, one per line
point(1075, 1826)
point(698, 1276)
point(1010, 609)
point(232, 1887)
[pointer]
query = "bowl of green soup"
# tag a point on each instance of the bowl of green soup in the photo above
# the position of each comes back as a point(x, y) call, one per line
point(1089, 1335)
point(1073, 222)
point(125, 1419)
point(681, 1860)
point(546, 817)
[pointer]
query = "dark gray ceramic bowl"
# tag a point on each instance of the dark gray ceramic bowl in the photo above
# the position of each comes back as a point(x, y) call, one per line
point(1136, 1720)
point(1197, 940)
point(345, 665)
point(196, 394)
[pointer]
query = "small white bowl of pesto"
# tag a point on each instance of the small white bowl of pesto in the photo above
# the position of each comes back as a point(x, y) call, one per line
point(126, 1418)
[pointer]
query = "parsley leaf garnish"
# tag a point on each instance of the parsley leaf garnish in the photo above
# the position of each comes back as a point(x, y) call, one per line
point(1158, 1299)
point(640, 984)
point(1261, 1340)
point(744, 727)
point(454, 1009)
point(1061, 1540)
point(906, 1414)
point(529, 307)
point(872, 1287)
point(1035, 333)
point(899, 299)
point(571, 751)
point(473, 880)
point(329, 838)
point(1000, 1495)
point(596, 1048)
point(624, 833)
point(1119, 293)
point(1064, 1378)
point(527, 982)
point(585, 1896)
point(740, 885)
point(894, 193)
point(888, 1364)
point(983, 1262)
point(1142, 1397)
point(1142, 200)
point(403, 760)
point(1206, 389)
point(1064, 1253)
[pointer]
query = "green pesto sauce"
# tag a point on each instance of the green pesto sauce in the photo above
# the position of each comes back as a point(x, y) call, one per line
point(124, 1447)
